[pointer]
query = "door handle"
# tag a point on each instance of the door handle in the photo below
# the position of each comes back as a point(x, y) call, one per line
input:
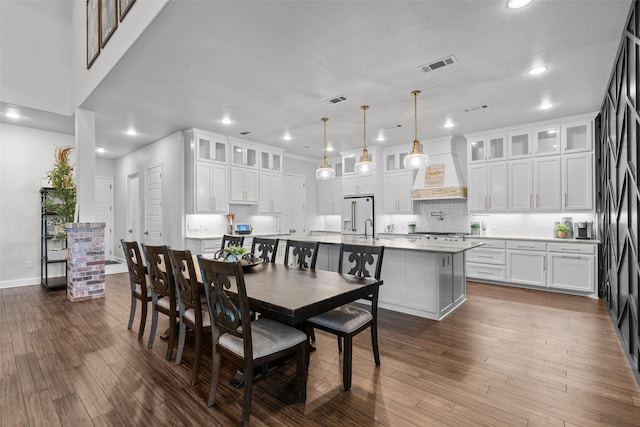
point(130, 231)
point(146, 233)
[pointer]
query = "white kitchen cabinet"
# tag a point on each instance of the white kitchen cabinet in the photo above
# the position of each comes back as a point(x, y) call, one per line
point(211, 188)
point(488, 187)
point(577, 181)
point(393, 276)
point(243, 185)
point(270, 193)
point(487, 262)
point(358, 184)
point(526, 262)
point(572, 267)
point(397, 193)
point(546, 141)
point(547, 184)
point(394, 159)
point(330, 196)
point(208, 147)
point(521, 185)
point(451, 281)
point(271, 160)
point(520, 144)
point(487, 148)
point(243, 154)
point(421, 281)
point(577, 137)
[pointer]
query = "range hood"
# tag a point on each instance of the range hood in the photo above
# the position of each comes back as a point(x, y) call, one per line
point(446, 175)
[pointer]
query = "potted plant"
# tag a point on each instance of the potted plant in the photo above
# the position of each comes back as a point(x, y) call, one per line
point(561, 230)
point(61, 199)
point(411, 225)
point(475, 228)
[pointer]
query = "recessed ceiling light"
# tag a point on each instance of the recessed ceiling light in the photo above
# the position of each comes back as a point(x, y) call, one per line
point(329, 148)
point(226, 120)
point(381, 137)
point(131, 132)
point(448, 124)
point(517, 4)
point(545, 106)
point(286, 137)
point(12, 115)
point(100, 150)
point(537, 70)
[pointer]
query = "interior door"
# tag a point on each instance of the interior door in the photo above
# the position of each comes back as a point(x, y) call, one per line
point(133, 208)
point(153, 205)
point(104, 211)
point(294, 196)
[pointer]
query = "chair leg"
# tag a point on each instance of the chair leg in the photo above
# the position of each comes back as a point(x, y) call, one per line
point(339, 343)
point(374, 343)
point(143, 318)
point(302, 373)
point(154, 325)
point(181, 339)
point(248, 393)
point(171, 342)
point(313, 335)
point(198, 356)
point(132, 313)
point(346, 363)
point(215, 370)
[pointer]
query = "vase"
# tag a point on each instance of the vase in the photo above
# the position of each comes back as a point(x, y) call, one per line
point(561, 234)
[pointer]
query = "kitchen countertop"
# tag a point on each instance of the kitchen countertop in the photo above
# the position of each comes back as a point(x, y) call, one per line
point(396, 243)
point(539, 239)
point(245, 235)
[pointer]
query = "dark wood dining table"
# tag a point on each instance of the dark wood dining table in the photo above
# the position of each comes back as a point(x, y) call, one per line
point(292, 295)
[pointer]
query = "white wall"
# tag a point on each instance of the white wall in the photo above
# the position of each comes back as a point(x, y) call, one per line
point(167, 152)
point(26, 154)
point(105, 167)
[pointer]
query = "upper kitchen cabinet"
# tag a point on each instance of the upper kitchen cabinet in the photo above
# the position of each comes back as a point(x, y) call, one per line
point(546, 141)
point(394, 159)
point(487, 148)
point(243, 154)
point(243, 185)
point(397, 192)
point(488, 187)
point(271, 159)
point(577, 137)
point(270, 193)
point(208, 147)
point(353, 184)
point(520, 144)
point(577, 181)
point(211, 188)
point(330, 196)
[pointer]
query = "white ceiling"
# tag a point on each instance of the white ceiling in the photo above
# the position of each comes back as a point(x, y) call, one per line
point(269, 64)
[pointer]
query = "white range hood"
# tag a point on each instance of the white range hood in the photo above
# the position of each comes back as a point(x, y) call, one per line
point(446, 175)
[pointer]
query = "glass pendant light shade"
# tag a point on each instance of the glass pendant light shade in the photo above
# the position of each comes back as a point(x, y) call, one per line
point(325, 171)
point(416, 158)
point(365, 166)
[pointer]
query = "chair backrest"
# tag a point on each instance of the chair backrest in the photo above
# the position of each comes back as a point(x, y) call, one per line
point(230, 314)
point(135, 265)
point(265, 247)
point(159, 269)
point(228, 240)
point(186, 282)
point(300, 252)
point(355, 259)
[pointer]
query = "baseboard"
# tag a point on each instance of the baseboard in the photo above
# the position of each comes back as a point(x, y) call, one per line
point(27, 281)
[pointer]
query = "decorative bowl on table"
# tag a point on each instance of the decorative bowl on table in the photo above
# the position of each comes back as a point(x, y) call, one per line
point(247, 260)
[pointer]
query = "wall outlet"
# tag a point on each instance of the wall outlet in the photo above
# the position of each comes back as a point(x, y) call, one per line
point(29, 263)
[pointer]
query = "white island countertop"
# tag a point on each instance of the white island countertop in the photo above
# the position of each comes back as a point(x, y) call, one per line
point(397, 243)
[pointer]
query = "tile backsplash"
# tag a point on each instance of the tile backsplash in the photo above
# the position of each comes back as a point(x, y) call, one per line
point(217, 225)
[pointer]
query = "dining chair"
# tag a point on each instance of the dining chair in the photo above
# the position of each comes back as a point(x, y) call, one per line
point(228, 240)
point(300, 251)
point(349, 320)
point(192, 309)
point(138, 281)
point(163, 292)
point(245, 343)
point(265, 247)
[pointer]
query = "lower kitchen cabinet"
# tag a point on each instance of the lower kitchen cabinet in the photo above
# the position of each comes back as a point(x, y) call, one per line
point(393, 272)
point(526, 262)
point(572, 267)
point(488, 262)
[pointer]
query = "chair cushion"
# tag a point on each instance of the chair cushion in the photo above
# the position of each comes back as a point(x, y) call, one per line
point(164, 302)
point(190, 315)
point(139, 292)
point(268, 337)
point(344, 319)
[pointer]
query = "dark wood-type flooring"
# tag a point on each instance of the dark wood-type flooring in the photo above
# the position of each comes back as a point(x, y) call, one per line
point(508, 356)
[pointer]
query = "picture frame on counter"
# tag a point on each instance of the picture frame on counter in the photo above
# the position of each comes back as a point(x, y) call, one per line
point(93, 31)
point(108, 20)
point(124, 7)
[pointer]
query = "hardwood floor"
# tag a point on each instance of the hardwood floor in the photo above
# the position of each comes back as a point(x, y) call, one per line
point(508, 356)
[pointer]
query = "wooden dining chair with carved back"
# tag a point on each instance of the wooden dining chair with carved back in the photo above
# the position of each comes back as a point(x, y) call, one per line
point(163, 292)
point(302, 254)
point(228, 240)
point(265, 249)
point(236, 338)
point(138, 282)
point(192, 310)
point(349, 320)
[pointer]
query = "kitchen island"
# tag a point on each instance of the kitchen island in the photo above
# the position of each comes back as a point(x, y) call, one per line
point(424, 278)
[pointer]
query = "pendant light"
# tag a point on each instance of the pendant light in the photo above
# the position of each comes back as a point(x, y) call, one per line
point(365, 166)
point(325, 171)
point(416, 158)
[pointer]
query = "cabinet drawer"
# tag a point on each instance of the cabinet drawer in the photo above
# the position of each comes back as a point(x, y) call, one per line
point(527, 245)
point(491, 244)
point(573, 248)
point(486, 256)
point(491, 272)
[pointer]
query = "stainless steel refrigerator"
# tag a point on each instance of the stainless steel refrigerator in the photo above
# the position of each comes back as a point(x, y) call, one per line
point(358, 216)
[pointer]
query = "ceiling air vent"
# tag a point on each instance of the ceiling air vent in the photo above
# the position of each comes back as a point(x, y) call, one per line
point(246, 132)
point(335, 100)
point(480, 107)
point(449, 60)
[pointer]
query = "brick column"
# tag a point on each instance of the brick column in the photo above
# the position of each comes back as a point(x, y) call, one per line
point(85, 264)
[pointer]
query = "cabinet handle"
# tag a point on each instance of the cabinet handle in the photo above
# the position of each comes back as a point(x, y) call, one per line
point(530, 200)
point(544, 263)
point(574, 256)
point(537, 200)
point(526, 246)
point(485, 256)
point(565, 200)
point(571, 249)
point(489, 200)
point(490, 273)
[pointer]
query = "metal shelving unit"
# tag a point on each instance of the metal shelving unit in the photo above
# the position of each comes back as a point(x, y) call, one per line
point(48, 243)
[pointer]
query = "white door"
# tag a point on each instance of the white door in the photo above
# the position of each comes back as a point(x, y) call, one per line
point(104, 211)
point(133, 208)
point(294, 196)
point(153, 205)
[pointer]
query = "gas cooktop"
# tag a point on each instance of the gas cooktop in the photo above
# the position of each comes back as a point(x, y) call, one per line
point(442, 235)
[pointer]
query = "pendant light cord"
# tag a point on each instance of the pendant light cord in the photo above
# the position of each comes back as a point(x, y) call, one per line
point(325, 119)
point(364, 125)
point(415, 94)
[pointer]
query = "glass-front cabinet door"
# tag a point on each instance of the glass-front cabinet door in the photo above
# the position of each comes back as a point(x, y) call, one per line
point(210, 148)
point(271, 160)
point(243, 155)
point(547, 141)
point(520, 144)
point(576, 137)
point(489, 148)
point(394, 159)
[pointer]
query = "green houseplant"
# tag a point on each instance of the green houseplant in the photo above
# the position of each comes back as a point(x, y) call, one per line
point(561, 230)
point(61, 200)
point(475, 228)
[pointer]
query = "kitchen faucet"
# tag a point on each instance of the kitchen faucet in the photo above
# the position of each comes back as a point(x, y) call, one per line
point(370, 221)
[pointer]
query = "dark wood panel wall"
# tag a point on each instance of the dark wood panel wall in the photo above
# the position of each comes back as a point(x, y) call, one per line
point(618, 189)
